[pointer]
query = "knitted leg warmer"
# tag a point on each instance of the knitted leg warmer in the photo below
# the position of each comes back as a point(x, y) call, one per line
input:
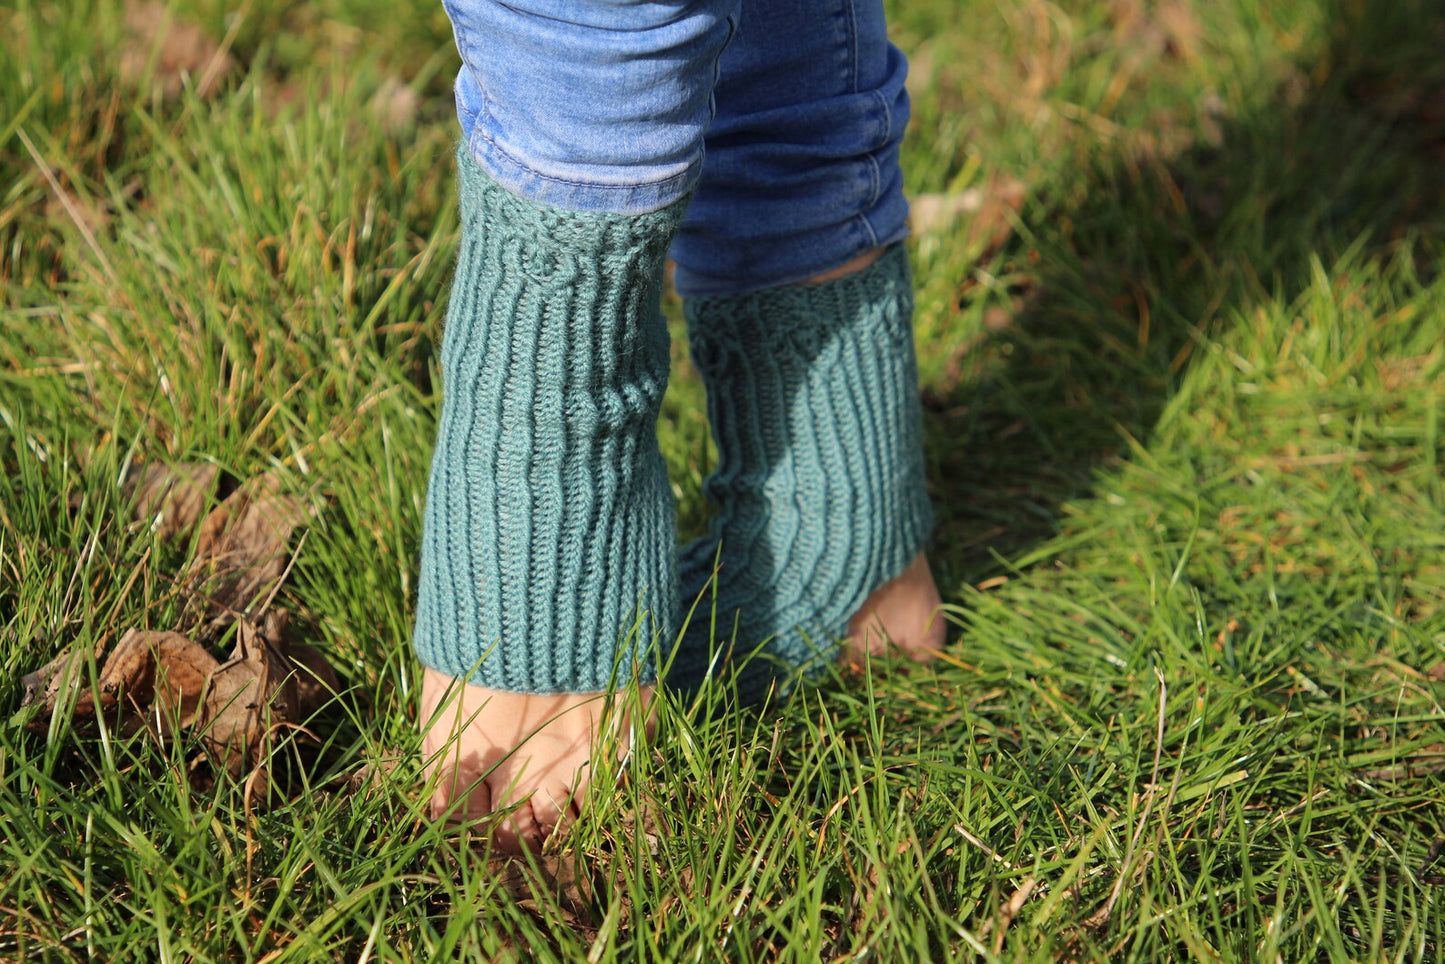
point(549, 519)
point(813, 397)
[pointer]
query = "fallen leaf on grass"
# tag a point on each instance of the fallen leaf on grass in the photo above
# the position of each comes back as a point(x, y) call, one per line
point(371, 776)
point(249, 694)
point(316, 681)
point(172, 497)
point(549, 879)
point(162, 668)
point(45, 686)
point(241, 551)
point(145, 668)
point(268, 683)
point(241, 554)
point(165, 679)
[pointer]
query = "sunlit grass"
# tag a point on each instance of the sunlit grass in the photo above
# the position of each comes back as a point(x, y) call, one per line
point(1184, 428)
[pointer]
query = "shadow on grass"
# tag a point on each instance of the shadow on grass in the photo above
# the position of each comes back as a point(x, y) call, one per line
point(1146, 255)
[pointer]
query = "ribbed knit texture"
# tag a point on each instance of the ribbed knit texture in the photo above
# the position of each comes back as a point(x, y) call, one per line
point(813, 397)
point(550, 525)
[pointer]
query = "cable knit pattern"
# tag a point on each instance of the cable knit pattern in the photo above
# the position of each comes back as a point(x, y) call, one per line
point(813, 396)
point(549, 524)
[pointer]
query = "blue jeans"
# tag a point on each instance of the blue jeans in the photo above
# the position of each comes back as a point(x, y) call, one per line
point(785, 116)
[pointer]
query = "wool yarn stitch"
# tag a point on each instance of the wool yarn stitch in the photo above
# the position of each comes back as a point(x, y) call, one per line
point(548, 559)
point(812, 393)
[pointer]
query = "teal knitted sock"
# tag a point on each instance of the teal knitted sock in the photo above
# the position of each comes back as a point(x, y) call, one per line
point(549, 518)
point(813, 397)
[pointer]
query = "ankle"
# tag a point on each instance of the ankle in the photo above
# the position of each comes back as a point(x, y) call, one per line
point(904, 615)
point(851, 266)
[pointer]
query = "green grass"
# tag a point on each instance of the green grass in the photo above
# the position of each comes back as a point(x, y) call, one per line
point(1184, 427)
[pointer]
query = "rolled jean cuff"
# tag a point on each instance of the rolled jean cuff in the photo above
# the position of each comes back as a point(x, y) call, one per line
point(523, 180)
point(597, 107)
point(608, 106)
point(737, 269)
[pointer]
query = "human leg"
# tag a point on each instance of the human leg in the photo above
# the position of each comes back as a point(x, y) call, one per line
point(548, 564)
point(799, 304)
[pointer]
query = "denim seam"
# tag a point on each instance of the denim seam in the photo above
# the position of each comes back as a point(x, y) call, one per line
point(862, 219)
point(732, 22)
point(852, 12)
point(887, 111)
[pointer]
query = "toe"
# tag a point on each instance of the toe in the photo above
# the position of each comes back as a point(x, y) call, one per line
point(517, 832)
point(556, 808)
point(547, 810)
point(460, 796)
point(441, 797)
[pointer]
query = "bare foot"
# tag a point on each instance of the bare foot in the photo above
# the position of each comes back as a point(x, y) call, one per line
point(902, 614)
point(493, 750)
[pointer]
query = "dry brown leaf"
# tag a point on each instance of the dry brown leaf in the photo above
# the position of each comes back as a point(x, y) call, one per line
point(241, 553)
point(237, 714)
point(172, 497)
point(371, 776)
point(553, 875)
point(163, 669)
point(267, 683)
point(1436, 672)
point(179, 48)
point(158, 679)
point(316, 681)
point(145, 670)
point(45, 686)
point(1422, 762)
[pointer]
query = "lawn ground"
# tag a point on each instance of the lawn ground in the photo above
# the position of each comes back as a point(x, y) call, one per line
point(1181, 322)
